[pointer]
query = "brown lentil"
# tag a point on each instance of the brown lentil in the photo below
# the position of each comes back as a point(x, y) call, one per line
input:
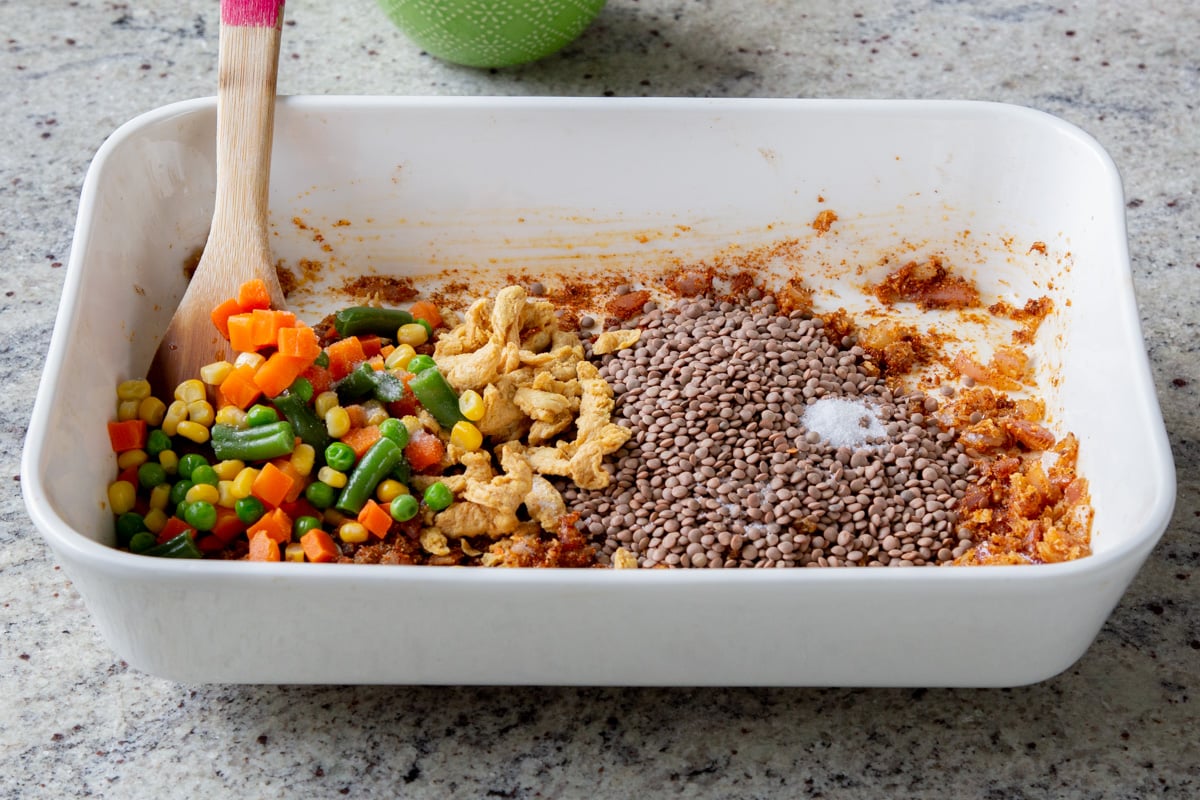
point(721, 472)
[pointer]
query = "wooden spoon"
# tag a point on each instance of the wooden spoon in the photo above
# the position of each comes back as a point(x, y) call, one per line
point(237, 248)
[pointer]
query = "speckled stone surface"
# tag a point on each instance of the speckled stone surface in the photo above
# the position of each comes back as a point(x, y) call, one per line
point(1122, 723)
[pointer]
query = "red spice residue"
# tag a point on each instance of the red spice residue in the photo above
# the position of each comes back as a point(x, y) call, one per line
point(824, 221)
point(929, 284)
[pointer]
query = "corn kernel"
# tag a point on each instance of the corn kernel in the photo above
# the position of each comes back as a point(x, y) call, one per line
point(193, 431)
point(152, 410)
point(203, 492)
point(155, 519)
point(225, 497)
point(293, 552)
point(201, 411)
point(131, 458)
point(244, 482)
point(251, 360)
point(228, 469)
point(215, 373)
point(323, 402)
point(466, 436)
point(412, 423)
point(303, 458)
point(375, 411)
point(127, 410)
point(160, 495)
point(121, 496)
point(337, 422)
point(169, 460)
point(470, 404)
point(389, 489)
point(190, 391)
point(232, 416)
point(133, 390)
point(352, 533)
point(412, 334)
point(399, 357)
point(331, 476)
point(176, 413)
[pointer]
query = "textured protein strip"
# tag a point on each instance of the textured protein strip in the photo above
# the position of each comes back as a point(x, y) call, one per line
point(721, 470)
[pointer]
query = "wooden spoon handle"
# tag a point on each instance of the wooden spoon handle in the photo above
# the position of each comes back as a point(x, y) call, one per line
point(246, 71)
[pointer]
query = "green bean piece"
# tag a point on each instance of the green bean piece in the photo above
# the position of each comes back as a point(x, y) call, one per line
point(424, 323)
point(322, 360)
point(182, 546)
point(367, 319)
point(253, 444)
point(436, 394)
point(302, 388)
point(304, 421)
point(359, 383)
point(402, 471)
point(372, 468)
point(388, 388)
point(420, 363)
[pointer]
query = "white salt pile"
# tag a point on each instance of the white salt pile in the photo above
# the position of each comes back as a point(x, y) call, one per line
point(843, 422)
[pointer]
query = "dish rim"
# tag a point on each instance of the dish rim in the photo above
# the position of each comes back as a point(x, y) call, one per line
point(75, 546)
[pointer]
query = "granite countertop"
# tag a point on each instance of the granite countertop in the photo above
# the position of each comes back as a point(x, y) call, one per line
point(75, 720)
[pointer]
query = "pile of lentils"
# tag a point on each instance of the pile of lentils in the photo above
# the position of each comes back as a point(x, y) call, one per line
point(721, 470)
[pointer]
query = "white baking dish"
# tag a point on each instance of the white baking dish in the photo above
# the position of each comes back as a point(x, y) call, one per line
point(414, 185)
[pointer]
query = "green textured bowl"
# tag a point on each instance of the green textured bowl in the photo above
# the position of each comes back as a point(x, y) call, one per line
point(491, 33)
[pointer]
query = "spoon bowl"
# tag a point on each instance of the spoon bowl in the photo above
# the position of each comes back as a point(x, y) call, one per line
point(237, 249)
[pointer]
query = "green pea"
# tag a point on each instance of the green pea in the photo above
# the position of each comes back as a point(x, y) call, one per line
point(181, 509)
point(179, 491)
point(189, 463)
point(129, 524)
point(302, 388)
point(303, 525)
point(205, 474)
point(419, 364)
point(151, 474)
point(201, 515)
point(320, 494)
point(156, 442)
point(141, 542)
point(249, 509)
point(340, 456)
point(403, 507)
point(438, 496)
point(258, 414)
point(395, 430)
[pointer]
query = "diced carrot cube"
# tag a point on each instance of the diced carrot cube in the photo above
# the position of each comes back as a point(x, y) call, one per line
point(221, 314)
point(130, 434)
point(375, 519)
point(423, 309)
point(272, 485)
point(263, 547)
point(239, 388)
point(253, 294)
point(299, 342)
point(275, 524)
point(424, 450)
point(344, 356)
point(173, 528)
point(241, 332)
point(361, 439)
point(319, 546)
point(277, 373)
point(266, 325)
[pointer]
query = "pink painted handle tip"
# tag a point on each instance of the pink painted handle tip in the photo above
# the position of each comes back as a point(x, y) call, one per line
point(251, 13)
